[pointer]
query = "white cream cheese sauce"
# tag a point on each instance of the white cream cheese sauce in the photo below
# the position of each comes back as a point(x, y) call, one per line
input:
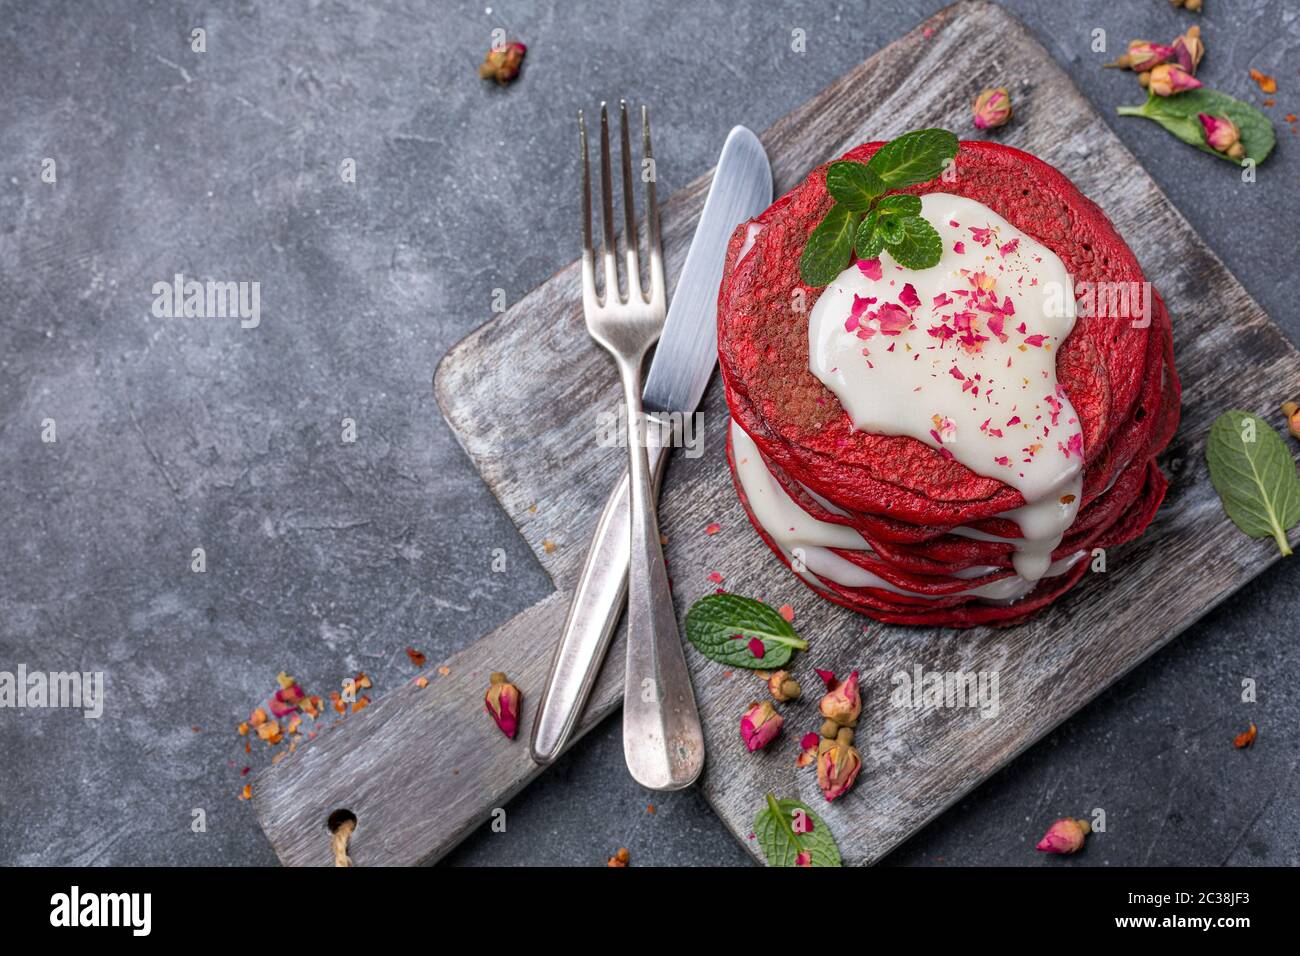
point(752, 231)
point(801, 536)
point(962, 356)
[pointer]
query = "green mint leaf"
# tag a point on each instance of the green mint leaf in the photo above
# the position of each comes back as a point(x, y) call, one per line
point(891, 230)
point(900, 205)
point(720, 626)
point(869, 242)
point(786, 828)
point(853, 185)
point(915, 157)
point(919, 247)
point(827, 253)
point(1252, 470)
point(1178, 115)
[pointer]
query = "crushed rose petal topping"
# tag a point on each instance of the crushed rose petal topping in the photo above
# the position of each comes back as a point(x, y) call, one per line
point(981, 331)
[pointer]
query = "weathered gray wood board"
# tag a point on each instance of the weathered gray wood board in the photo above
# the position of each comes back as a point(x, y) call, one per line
point(420, 768)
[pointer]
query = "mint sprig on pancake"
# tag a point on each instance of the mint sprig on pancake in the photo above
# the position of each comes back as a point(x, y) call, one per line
point(867, 219)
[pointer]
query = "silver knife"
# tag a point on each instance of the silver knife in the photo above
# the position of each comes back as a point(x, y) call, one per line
point(682, 366)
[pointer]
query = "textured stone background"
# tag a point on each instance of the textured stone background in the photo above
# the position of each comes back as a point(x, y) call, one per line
point(325, 558)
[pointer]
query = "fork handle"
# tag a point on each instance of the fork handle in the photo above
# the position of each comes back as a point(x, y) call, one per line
point(663, 742)
point(593, 614)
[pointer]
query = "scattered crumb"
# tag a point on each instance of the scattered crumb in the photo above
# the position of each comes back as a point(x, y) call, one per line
point(548, 546)
point(1266, 83)
point(444, 670)
point(1245, 738)
point(1270, 102)
point(289, 706)
point(416, 657)
point(650, 809)
point(422, 682)
point(620, 858)
point(713, 529)
point(787, 612)
point(247, 792)
point(715, 577)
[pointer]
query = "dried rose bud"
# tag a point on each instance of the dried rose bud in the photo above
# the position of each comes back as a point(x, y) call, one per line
point(502, 63)
point(1222, 135)
point(1292, 412)
point(1143, 55)
point(992, 108)
point(1189, 49)
point(1065, 836)
point(808, 754)
point(1169, 78)
point(842, 702)
point(760, 725)
point(837, 767)
point(502, 703)
point(783, 687)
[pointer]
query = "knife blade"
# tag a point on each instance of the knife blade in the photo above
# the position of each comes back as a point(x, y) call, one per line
point(688, 346)
point(679, 372)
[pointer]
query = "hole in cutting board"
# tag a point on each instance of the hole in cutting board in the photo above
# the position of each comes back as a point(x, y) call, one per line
point(340, 817)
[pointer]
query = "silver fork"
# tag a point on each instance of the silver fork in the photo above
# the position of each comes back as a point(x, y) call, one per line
point(662, 739)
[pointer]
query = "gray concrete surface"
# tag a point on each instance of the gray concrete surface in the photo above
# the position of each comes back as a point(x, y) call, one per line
point(324, 557)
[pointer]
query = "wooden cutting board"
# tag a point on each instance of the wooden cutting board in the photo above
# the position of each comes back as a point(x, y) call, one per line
point(421, 767)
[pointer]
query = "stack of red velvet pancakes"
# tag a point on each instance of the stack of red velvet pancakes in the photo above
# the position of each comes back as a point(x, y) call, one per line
point(955, 445)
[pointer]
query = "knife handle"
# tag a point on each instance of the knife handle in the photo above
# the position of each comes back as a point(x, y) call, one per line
point(593, 614)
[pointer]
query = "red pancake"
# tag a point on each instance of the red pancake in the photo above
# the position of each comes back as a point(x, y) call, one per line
point(799, 424)
point(902, 496)
point(957, 612)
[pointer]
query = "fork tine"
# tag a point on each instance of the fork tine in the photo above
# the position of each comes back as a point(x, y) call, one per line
point(629, 210)
point(588, 256)
point(611, 293)
point(656, 292)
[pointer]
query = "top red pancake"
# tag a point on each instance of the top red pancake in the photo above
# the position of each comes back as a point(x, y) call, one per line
point(799, 424)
